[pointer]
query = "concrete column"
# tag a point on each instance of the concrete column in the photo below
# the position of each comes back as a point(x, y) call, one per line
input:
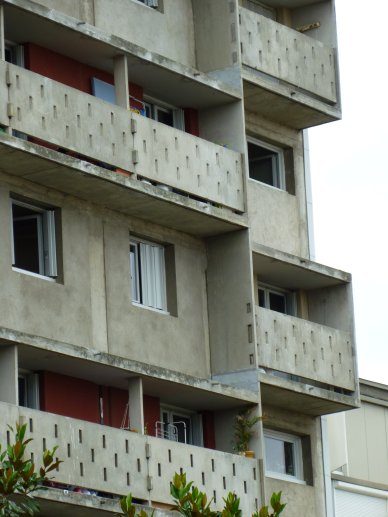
point(121, 81)
point(135, 402)
point(9, 374)
point(2, 38)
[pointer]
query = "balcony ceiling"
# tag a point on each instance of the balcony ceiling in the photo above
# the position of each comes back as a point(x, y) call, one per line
point(176, 84)
point(283, 104)
point(211, 396)
point(290, 272)
point(309, 400)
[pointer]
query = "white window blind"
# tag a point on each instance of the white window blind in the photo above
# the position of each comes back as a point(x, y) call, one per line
point(152, 275)
point(148, 277)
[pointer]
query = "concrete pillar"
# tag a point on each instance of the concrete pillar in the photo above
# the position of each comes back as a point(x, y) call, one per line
point(135, 403)
point(2, 37)
point(121, 81)
point(9, 374)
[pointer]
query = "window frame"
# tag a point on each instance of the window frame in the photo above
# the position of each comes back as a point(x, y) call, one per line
point(277, 160)
point(30, 396)
point(46, 238)
point(296, 442)
point(172, 412)
point(154, 105)
point(289, 297)
point(141, 250)
point(150, 3)
point(15, 53)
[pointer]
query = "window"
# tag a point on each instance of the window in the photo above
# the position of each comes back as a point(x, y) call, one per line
point(33, 238)
point(150, 3)
point(276, 299)
point(283, 455)
point(258, 7)
point(175, 425)
point(14, 53)
point(266, 164)
point(173, 117)
point(148, 275)
point(28, 385)
point(103, 90)
point(180, 425)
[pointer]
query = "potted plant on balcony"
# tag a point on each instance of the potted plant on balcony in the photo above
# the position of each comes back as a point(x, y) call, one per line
point(243, 432)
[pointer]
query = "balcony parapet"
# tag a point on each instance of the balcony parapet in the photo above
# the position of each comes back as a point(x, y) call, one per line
point(80, 123)
point(287, 55)
point(117, 461)
point(305, 349)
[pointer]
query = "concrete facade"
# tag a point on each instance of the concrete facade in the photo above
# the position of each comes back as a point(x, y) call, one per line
point(155, 269)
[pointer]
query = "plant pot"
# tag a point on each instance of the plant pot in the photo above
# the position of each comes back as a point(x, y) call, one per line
point(249, 454)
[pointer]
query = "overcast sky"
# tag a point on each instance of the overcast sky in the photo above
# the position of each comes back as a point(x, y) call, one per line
point(350, 178)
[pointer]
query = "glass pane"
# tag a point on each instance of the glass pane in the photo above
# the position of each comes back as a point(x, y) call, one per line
point(274, 455)
point(165, 117)
point(261, 298)
point(280, 456)
point(277, 302)
point(133, 255)
point(22, 391)
point(183, 425)
point(27, 231)
point(262, 164)
point(289, 458)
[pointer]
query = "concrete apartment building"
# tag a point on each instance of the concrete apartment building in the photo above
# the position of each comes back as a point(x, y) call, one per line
point(359, 455)
point(155, 234)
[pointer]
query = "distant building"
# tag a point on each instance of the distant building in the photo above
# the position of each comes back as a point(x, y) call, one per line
point(359, 455)
point(155, 262)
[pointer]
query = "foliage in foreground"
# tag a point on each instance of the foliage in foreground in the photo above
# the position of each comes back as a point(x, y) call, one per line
point(191, 502)
point(18, 476)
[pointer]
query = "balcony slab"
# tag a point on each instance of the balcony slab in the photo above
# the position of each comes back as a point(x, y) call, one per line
point(304, 398)
point(284, 104)
point(112, 190)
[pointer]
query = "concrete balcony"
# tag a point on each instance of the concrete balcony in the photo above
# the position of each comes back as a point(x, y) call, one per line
point(111, 156)
point(78, 122)
point(117, 461)
point(288, 76)
point(316, 358)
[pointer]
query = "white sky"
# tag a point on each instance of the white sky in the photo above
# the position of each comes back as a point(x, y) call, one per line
point(350, 178)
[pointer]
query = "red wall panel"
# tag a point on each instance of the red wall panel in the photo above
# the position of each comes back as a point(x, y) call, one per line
point(151, 413)
point(209, 439)
point(115, 402)
point(69, 396)
point(68, 71)
point(191, 121)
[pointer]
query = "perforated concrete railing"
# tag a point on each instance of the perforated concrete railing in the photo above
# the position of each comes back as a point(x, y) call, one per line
point(188, 163)
point(305, 349)
point(79, 122)
point(214, 472)
point(94, 456)
point(112, 460)
point(286, 54)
